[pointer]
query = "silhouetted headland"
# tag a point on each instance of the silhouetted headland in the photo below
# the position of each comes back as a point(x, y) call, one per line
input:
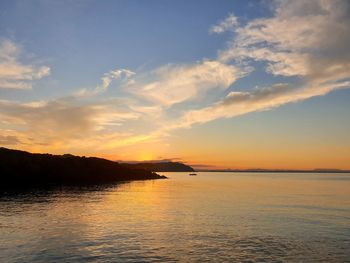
point(161, 166)
point(24, 169)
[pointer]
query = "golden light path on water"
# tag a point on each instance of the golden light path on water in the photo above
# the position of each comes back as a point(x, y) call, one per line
point(210, 217)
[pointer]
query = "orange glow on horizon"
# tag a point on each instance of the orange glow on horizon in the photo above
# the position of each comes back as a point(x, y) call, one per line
point(206, 156)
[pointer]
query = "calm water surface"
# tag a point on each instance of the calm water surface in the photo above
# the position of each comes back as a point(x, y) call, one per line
point(216, 217)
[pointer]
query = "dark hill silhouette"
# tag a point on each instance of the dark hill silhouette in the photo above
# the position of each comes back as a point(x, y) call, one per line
point(22, 169)
point(161, 166)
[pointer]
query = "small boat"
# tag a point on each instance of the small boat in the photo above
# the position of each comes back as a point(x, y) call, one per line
point(192, 174)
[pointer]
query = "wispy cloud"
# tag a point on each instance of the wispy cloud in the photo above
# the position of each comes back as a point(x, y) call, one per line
point(173, 84)
point(106, 81)
point(13, 73)
point(259, 99)
point(228, 24)
point(8, 140)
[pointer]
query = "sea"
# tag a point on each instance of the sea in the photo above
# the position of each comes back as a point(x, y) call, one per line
point(211, 217)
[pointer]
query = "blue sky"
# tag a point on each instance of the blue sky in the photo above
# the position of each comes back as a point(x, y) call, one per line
point(159, 79)
point(81, 40)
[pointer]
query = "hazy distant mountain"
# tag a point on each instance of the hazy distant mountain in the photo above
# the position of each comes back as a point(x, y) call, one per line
point(161, 166)
point(19, 168)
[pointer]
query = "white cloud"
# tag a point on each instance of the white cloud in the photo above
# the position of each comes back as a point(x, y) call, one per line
point(106, 80)
point(171, 84)
point(110, 76)
point(309, 39)
point(13, 73)
point(228, 24)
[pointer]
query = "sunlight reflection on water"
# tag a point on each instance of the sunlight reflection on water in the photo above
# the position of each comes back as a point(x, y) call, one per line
point(210, 217)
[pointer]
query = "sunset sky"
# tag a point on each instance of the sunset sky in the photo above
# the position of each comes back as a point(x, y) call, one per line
point(225, 84)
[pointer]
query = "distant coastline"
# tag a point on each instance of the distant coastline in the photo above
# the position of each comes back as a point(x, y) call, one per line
point(274, 171)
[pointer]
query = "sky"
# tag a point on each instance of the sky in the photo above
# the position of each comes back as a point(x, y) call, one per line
point(214, 84)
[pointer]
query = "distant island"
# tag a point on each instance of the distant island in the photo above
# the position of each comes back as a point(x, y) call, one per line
point(24, 169)
point(161, 166)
